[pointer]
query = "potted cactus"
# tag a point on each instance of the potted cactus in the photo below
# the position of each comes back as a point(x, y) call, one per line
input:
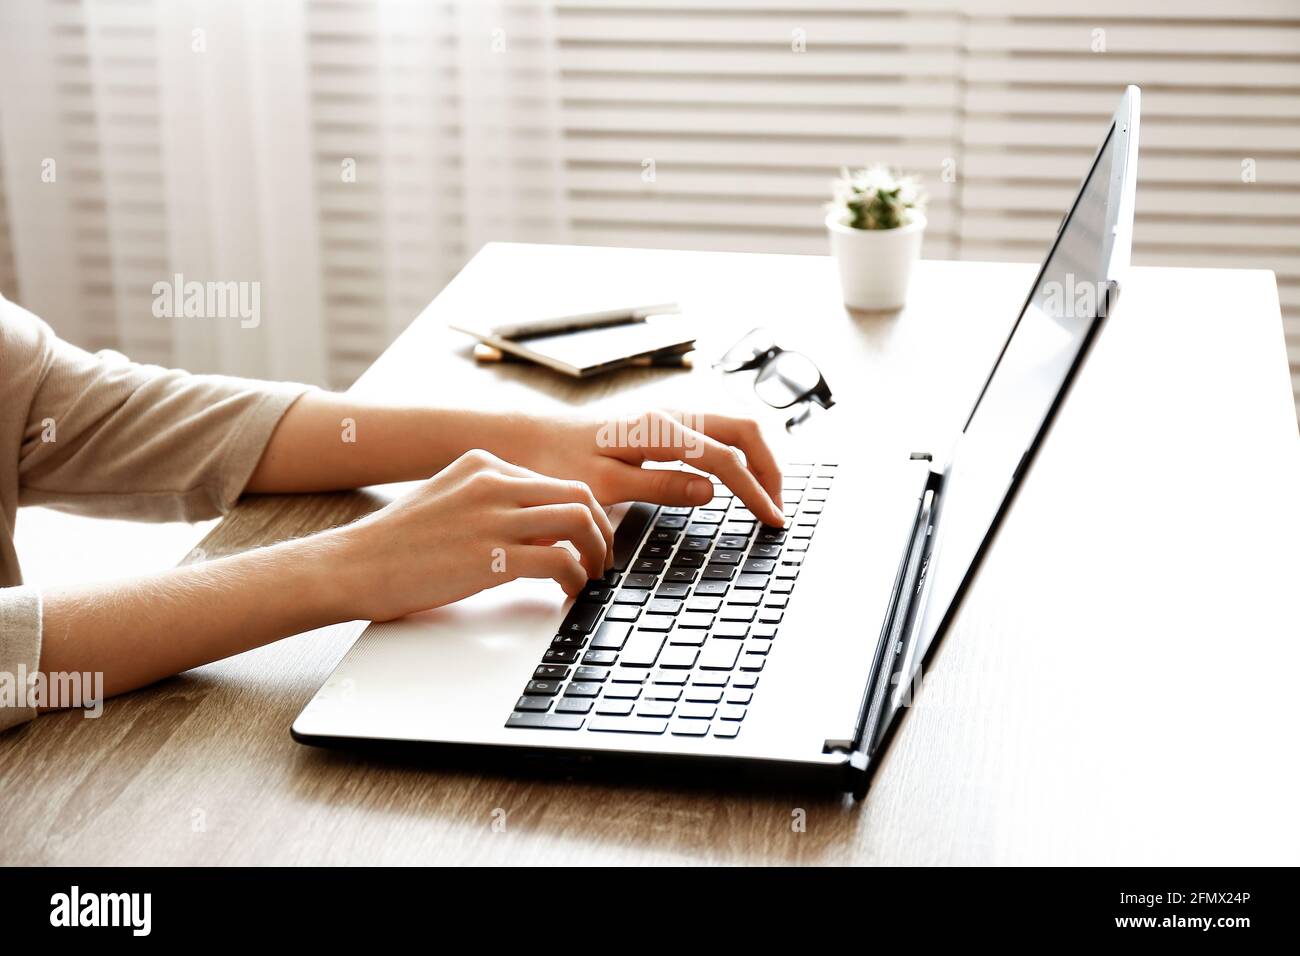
point(876, 222)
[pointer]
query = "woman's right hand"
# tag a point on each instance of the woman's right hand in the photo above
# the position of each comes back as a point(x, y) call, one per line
point(478, 523)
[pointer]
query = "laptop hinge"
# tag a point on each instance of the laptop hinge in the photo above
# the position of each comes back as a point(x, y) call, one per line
point(890, 645)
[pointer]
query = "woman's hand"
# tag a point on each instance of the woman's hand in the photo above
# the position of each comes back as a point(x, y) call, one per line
point(607, 456)
point(478, 523)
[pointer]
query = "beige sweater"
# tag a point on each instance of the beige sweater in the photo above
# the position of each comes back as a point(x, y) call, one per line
point(98, 435)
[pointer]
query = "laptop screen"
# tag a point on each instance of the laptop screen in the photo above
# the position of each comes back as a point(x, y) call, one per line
point(1036, 361)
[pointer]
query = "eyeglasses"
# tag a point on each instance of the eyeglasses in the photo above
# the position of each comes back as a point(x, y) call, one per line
point(785, 379)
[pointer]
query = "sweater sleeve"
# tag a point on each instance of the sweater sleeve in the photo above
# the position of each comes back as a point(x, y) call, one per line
point(99, 435)
point(20, 651)
point(105, 436)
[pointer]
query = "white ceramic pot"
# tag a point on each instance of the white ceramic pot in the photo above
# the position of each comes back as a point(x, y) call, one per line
point(875, 264)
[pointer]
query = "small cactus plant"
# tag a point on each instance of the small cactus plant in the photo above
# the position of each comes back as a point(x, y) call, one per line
point(877, 197)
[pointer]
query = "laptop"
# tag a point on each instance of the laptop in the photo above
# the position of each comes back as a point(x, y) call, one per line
point(720, 646)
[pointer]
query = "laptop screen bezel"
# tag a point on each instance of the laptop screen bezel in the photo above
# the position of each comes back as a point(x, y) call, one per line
point(1120, 204)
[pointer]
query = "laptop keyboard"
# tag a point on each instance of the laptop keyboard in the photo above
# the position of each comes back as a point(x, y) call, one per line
point(674, 639)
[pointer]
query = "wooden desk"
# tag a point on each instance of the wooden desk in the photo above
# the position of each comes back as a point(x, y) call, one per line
point(1120, 686)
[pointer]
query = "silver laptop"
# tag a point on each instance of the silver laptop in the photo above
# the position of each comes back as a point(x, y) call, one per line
point(717, 645)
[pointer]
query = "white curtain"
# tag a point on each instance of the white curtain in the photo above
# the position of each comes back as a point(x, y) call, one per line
point(344, 158)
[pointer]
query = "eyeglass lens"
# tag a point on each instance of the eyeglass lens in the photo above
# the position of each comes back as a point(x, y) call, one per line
point(786, 379)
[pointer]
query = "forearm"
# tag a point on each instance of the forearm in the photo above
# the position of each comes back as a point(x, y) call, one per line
point(328, 441)
point(143, 629)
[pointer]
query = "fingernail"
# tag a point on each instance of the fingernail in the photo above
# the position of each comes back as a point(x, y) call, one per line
point(701, 490)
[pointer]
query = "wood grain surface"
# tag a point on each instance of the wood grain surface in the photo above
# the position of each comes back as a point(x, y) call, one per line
point(1119, 686)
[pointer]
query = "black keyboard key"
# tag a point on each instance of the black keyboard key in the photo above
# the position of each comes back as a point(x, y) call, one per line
point(679, 576)
point(733, 542)
point(701, 530)
point(546, 721)
point(673, 589)
point(629, 532)
point(568, 640)
point(770, 536)
point(542, 688)
point(718, 572)
point(582, 689)
point(595, 593)
point(656, 708)
point(557, 656)
point(574, 705)
point(691, 629)
point(629, 725)
point(640, 580)
point(533, 703)
point(703, 695)
point(531, 721)
point(623, 612)
point(711, 588)
point(610, 636)
point(679, 657)
point(764, 551)
point(562, 722)
point(590, 673)
point(759, 566)
point(675, 678)
point(711, 679)
point(550, 672)
point(648, 565)
point(663, 536)
point(656, 551)
point(631, 596)
point(661, 606)
point(696, 544)
point(671, 523)
point(665, 691)
point(720, 655)
point(581, 619)
point(729, 629)
point(690, 727)
point(688, 559)
point(642, 649)
point(726, 557)
point(600, 657)
point(707, 517)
